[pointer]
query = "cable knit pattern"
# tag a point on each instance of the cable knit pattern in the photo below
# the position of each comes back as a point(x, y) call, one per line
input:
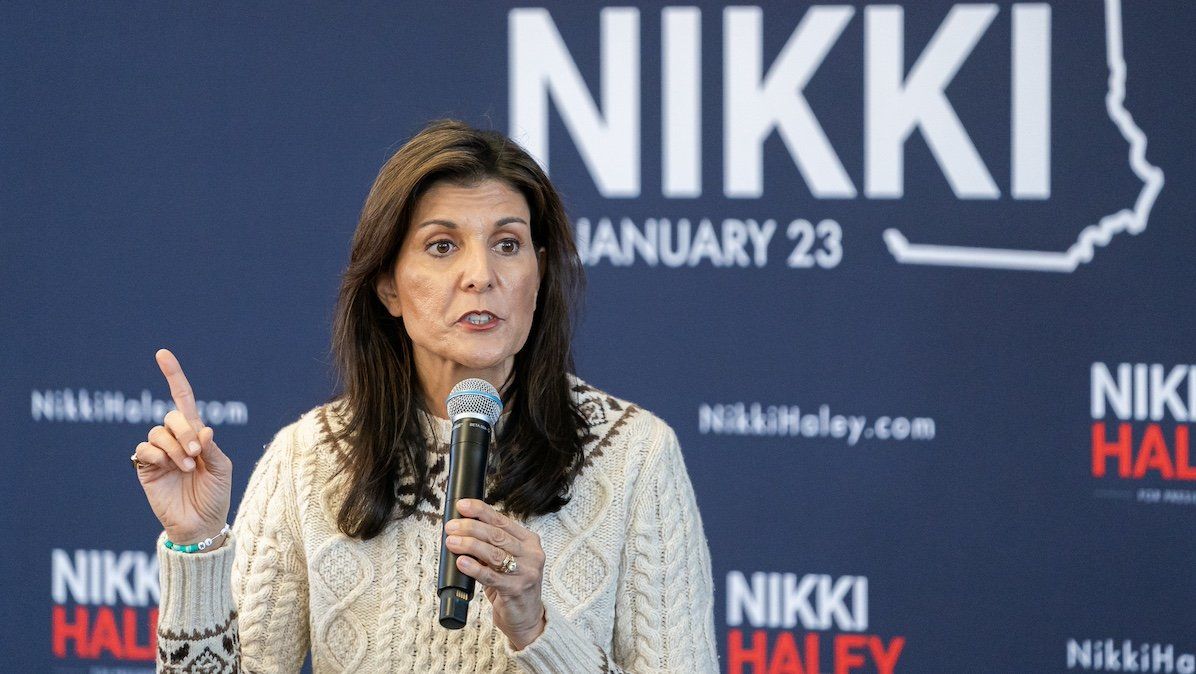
point(627, 581)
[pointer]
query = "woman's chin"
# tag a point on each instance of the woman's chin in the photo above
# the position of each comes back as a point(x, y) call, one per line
point(485, 365)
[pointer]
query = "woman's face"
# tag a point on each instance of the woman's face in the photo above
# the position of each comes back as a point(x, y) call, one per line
point(465, 282)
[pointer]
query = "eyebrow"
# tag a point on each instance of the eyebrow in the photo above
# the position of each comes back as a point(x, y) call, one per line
point(452, 225)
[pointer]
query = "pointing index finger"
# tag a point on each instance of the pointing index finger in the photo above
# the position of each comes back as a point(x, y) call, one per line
point(180, 388)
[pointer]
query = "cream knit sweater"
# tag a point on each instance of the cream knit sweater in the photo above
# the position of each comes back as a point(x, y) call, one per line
point(627, 582)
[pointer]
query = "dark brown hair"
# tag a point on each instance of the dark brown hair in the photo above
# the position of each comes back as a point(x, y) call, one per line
point(540, 444)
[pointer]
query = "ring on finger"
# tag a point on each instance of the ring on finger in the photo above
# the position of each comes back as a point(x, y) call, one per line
point(508, 565)
point(138, 463)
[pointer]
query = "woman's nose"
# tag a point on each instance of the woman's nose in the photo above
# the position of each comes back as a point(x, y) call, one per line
point(478, 271)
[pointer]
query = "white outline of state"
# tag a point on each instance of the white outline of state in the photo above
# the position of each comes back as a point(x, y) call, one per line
point(1125, 220)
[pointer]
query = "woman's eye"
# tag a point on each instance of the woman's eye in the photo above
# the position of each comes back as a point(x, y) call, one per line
point(507, 246)
point(440, 248)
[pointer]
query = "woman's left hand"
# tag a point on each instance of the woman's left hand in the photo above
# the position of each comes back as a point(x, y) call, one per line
point(484, 538)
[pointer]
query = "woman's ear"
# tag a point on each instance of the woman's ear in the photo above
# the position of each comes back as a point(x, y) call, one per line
point(385, 287)
point(541, 257)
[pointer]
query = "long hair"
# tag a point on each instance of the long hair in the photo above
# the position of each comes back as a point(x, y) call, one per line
point(540, 444)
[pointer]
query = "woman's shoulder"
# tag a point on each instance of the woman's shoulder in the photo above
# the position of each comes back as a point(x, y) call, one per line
point(306, 455)
point(314, 431)
point(617, 428)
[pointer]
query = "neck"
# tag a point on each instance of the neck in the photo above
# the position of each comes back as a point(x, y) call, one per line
point(437, 377)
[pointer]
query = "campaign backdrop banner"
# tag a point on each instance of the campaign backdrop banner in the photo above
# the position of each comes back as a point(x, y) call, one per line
point(913, 282)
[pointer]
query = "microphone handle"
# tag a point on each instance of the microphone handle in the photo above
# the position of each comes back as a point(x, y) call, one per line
point(468, 447)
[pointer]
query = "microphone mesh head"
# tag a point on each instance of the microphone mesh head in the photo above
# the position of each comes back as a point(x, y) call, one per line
point(474, 396)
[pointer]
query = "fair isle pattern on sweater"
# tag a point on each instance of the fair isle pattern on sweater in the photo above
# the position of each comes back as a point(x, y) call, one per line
point(183, 658)
point(627, 584)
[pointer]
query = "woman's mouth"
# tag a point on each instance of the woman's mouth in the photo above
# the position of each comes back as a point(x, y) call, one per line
point(479, 320)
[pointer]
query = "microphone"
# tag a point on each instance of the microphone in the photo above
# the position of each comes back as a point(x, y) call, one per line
point(473, 407)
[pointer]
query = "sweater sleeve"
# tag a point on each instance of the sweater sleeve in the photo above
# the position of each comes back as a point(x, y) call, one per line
point(242, 608)
point(664, 614)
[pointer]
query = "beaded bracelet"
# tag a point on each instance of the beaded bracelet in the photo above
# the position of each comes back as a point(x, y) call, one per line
point(197, 547)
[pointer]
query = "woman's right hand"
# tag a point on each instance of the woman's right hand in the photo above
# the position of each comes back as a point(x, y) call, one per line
point(186, 477)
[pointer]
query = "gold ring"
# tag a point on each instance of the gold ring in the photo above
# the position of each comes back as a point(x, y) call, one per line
point(509, 565)
point(138, 463)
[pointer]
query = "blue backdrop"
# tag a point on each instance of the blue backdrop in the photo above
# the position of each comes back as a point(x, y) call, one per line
point(912, 282)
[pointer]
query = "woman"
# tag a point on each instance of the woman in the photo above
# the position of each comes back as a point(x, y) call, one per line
point(592, 557)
